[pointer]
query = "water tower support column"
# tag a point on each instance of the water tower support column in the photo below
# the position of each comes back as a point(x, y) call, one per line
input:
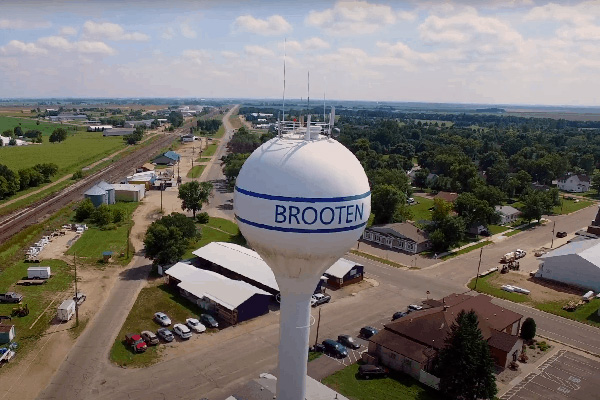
point(294, 330)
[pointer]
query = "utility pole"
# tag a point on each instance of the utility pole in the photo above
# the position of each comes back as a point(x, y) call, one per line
point(128, 235)
point(553, 226)
point(161, 190)
point(76, 298)
point(318, 324)
point(479, 266)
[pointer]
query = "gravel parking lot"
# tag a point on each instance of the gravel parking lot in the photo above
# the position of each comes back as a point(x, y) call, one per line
point(565, 375)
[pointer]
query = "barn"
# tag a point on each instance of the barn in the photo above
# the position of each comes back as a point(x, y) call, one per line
point(231, 300)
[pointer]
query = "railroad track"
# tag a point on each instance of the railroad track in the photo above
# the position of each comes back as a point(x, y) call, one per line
point(44, 208)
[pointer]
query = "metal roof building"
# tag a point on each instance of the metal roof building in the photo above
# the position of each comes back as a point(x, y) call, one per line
point(238, 262)
point(232, 300)
point(97, 195)
point(575, 263)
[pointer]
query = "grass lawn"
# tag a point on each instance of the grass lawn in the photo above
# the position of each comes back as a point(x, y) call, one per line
point(313, 355)
point(77, 151)
point(486, 285)
point(217, 230)
point(204, 159)
point(395, 387)
point(569, 206)
point(157, 296)
point(220, 132)
point(94, 241)
point(588, 313)
point(420, 211)
point(235, 121)
point(210, 150)
point(378, 259)
point(196, 171)
point(467, 249)
point(494, 229)
point(524, 228)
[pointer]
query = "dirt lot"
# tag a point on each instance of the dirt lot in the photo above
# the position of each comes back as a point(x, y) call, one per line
point(541, 290)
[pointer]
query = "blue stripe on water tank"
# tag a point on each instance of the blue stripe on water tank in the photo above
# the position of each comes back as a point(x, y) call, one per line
point(299, 230)
point(303, 199)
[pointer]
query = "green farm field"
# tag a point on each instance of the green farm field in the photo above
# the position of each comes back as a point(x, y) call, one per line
point(26, 124)
point(77, 151)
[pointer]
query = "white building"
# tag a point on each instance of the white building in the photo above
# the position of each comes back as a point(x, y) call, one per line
point(508, 214)
point(129, 192)
point(6, 140)
point(575, 263)
point(574, 183)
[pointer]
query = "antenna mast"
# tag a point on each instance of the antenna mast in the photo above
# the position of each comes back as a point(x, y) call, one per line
point(308, 93)
point(284, 55)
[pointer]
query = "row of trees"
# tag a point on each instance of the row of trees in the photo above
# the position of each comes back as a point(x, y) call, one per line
point(58, 135)
point(175, 118)
point(136, 136)
point(11, 182)
point(209, 126)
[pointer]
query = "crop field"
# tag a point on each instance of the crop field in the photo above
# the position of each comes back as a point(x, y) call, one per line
point(26, 124)
point(74, 153)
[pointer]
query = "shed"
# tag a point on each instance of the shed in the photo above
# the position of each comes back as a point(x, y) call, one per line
point(7, 333)
point(97, 195)
point(142, 178)
point(110, 191)
point(344, 272)
point(106, 256)
point(167, 158)
point(129, 192)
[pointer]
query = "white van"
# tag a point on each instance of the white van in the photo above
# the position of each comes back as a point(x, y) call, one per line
point(66, 310)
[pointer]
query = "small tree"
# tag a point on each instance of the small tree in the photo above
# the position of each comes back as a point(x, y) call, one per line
point(203, 218)
point(194, 194)
point(102, 216)
point(528, 329)
point(164, 245)
point(59, 135)
point(84, 211)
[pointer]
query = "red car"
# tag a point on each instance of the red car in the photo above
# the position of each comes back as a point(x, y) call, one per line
point(136, 342)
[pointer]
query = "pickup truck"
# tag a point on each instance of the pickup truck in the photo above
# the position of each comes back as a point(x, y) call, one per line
point(10, 297)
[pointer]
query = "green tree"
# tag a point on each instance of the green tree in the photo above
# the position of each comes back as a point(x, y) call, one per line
point(18, 131)
point(537, 203)
point(164, 245)
point(9, 182)
point(441, 210)
point(118, 215)
point(102, 215)
point(421, 178)
point(596, 182)
point(528, 329)
point(8, 133)
point(186, 225)
point(12, 142)
point(58, 135)
point(194, 194)
point(474, 210)
point(175, 118)
point(465, 366)
point(84, 211)
point(385, 200)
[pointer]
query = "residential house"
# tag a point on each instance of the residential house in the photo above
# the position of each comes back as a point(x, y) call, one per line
point(575, 183)
point(401, 236)
point(508, 214)
point(576, 263)
point(167, 158)
point(411, 344)
point(344, 272)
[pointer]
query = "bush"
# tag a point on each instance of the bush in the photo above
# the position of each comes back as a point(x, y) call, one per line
point(84, 211)
point(118, 216)
point(102, 216)
point(202, 218)
point(77, 175)
point(528, 329)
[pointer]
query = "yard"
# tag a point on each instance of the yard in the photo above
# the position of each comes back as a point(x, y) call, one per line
point(570, 206)
point(467, 249)
point(217, 230)
point(157, 296)
point(210, 149)
point(420, 211)
point(95, 241)
point(395, 387)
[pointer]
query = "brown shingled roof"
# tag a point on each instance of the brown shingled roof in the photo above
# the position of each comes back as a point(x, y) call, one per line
point(401, 345)
point(503, 341)
point(450, 197)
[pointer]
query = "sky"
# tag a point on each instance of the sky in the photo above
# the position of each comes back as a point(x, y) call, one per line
point(496, 51)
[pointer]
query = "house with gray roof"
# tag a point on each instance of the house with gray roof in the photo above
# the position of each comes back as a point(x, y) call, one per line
point(508, 214)
point(575, 183)
point(401, 236)
point(576, 263)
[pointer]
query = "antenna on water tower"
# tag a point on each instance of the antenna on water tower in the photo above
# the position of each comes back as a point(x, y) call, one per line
point(284, 55)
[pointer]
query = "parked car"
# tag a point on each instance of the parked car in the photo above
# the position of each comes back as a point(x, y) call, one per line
point(195, 325)
point(414, 307)
point(136, 342)
point(348, 341)
point(335, 349)
point(150, 338)
point(162, 319)
point(182, 331)
point(371, 371)
point(208, 321)
point(398, 315)
point(165, 334)
point(561, 234)
point(319, 298)
point(410, 200)
point(367, 331)
point(520, 253)
point(79, 298)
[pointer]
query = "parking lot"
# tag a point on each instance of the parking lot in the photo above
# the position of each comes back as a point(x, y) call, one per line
point(565, 375)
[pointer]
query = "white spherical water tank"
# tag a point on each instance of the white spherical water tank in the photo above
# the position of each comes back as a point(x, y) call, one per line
point(301, 203)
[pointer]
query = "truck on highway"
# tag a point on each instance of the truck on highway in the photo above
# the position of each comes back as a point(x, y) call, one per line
point(10, 297)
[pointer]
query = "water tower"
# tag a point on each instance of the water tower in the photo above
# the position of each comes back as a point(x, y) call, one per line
point(301, 200)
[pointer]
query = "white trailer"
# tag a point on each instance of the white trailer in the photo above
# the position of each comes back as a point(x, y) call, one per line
point(38, 272)
point(588, 296)
point(66, 310)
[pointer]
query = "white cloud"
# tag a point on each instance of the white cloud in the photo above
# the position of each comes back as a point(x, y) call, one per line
point(258, 51)
point(354, 18)
point(16, 47)
point(229, 54)
point(578, 21)
point(196, 56)
point(187, 31)
point(68, 31)
point(273, 25)
point(313, 43)
point(110, 31)
point(168, 33)
point(22, 24)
